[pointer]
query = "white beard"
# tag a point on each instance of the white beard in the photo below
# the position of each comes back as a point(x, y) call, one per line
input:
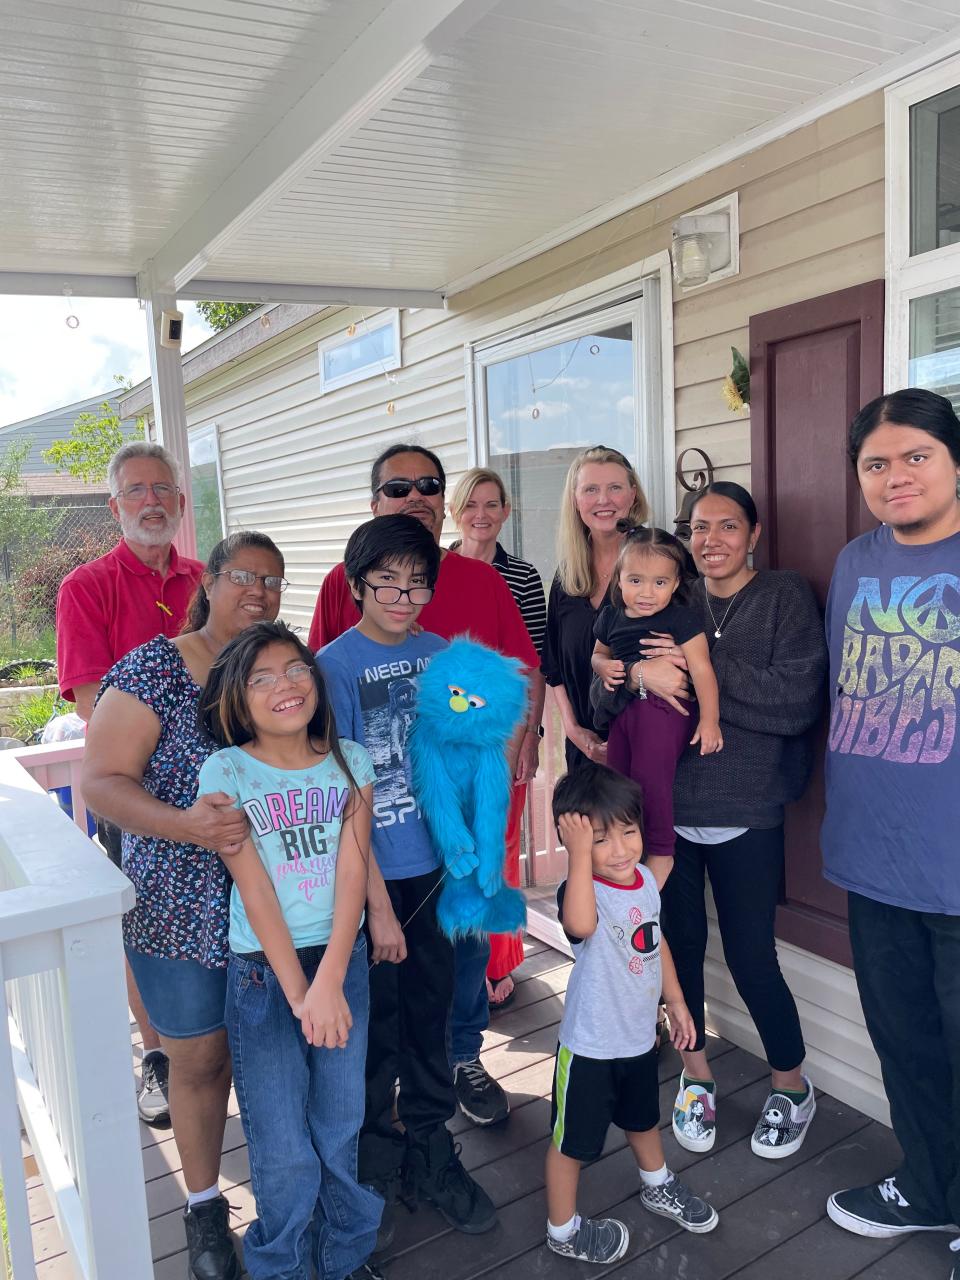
point(133, 531)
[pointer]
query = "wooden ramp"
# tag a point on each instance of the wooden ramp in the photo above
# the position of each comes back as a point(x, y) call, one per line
point(773, 1224)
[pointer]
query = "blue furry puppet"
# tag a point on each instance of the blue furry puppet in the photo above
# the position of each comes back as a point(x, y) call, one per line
point(470, 700)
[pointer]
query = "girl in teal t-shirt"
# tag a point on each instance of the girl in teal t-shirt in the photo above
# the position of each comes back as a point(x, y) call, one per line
point(297, 991)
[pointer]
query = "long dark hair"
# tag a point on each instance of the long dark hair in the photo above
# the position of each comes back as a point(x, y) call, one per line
point(199, 609)
point(657, 542)
point(912, 407)
point(223, 711)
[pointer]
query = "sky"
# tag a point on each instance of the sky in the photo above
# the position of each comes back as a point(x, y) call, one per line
point(44, 363)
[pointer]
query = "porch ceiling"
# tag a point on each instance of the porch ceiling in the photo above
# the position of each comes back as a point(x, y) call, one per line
point(392, 144)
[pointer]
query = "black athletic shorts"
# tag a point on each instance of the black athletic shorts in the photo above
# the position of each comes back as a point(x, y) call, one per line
point(590, 1094)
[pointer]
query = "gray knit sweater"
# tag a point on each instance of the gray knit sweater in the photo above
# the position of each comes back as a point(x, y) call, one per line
point(771, 663)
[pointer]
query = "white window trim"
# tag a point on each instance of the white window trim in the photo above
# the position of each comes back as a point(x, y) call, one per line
point(212, 429)
point(643, 292)
point(909, 277)
point(364, 326)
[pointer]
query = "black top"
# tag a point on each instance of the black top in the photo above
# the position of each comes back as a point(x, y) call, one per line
point(622, 635)
point(567, 650)
point(770, 663)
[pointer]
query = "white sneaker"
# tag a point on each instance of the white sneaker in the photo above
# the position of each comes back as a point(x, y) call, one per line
point(695, 1116)
point(783, 1125)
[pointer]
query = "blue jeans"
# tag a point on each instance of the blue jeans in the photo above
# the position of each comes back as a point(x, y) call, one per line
point(301, 1109)
point(470, 1014)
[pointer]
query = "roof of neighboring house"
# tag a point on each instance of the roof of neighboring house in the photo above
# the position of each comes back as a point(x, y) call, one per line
point(61, 486)
point(55, 424)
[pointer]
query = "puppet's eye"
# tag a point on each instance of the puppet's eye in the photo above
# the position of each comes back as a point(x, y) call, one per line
point(455, 690)
point(476, 701)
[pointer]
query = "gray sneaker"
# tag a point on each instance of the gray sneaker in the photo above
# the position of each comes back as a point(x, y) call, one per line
point(152, 1101)
point(783, 1125)
point(673, 1200)
point(595, 1240)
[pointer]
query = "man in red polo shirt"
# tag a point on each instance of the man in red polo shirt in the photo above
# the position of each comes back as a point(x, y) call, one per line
point(470, 598)
point(139, 590)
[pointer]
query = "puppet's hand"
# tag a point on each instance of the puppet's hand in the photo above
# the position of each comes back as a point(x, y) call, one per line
point(461, 864)
point(490, 880)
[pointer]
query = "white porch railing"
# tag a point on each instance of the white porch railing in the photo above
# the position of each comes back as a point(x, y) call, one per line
point(65, 1065)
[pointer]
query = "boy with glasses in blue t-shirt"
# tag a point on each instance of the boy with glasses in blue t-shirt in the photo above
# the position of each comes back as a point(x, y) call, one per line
point(391, 564)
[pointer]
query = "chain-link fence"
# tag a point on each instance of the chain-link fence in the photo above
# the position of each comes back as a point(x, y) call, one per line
point(70, 533)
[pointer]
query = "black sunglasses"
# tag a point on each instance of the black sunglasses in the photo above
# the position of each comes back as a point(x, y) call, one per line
point(429, 486)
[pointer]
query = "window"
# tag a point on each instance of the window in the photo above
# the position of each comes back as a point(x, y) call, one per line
point(923, 232)
point(373, 347)
point(546, 394)
point(206, 484)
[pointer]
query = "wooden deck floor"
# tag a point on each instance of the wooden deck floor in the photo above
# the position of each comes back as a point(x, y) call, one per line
point(773, 1224)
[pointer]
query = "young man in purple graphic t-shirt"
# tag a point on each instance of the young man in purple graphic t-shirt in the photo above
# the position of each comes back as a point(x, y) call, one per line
point(890, 836)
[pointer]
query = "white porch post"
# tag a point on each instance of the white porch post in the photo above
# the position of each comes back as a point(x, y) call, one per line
point(170, 414)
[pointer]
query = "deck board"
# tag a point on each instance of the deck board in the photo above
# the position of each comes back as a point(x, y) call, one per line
point(773, 1222)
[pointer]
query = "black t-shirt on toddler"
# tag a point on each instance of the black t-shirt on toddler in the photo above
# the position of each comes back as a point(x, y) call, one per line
point(622, 635)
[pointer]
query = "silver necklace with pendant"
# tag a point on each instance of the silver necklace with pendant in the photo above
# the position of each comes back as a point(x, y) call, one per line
point(720, 625)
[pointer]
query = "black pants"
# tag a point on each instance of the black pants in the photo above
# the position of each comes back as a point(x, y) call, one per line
point(908, 972)
point(745, 876)
point(110, 836)
point(407, 1039)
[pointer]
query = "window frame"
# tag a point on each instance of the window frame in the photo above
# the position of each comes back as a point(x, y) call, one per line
point(365, 326)
point(910, 276)
point(210, 430)
point(641, 293)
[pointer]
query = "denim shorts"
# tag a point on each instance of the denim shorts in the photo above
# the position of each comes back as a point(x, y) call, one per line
point(183, 998)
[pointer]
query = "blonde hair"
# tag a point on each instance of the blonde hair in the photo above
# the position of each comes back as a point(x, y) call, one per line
point(574, 561)
point(466, 485)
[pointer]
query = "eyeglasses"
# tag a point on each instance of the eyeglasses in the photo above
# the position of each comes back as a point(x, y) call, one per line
point(429, 486)
point(392, 595)
point(245, 578)
point(137, 492)
point(296, 673)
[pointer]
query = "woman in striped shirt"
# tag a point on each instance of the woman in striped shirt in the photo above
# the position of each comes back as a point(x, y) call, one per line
point(480, 506)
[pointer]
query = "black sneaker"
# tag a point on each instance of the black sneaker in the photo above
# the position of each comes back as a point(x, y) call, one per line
point(209, 1243)
point(673, 1200)
point(437, 1175)
point(389, 1190)
point(366, 1272)
point(595, 1240)
point(481, 1099)
point(880, 1211)
point(152, 1101)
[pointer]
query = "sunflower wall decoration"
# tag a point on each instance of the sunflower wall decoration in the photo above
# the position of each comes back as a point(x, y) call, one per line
point(735, 387)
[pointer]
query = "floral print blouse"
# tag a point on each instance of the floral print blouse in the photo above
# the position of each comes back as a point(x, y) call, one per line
point(183, 891)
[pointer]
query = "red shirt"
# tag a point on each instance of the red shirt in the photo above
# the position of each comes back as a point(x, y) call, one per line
point(470, 598)
point(112, 605)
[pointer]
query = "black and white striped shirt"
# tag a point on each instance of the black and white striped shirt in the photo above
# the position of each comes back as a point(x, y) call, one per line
point(526, 588)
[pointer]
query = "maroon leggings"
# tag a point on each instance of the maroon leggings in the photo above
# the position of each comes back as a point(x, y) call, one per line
point(646, 740)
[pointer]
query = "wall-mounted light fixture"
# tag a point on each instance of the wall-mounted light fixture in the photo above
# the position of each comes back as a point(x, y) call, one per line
point(706, 243)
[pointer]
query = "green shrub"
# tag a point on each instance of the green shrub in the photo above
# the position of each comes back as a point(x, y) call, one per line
point(37, 585)
point(29, 718)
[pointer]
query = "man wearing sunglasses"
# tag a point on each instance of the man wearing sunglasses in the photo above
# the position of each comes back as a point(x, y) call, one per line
point(472, 598)
point(139, 590)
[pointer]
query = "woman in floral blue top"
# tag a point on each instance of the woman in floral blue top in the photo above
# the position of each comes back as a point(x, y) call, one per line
point(142, 761)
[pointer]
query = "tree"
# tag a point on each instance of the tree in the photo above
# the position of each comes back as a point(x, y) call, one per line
point(93, 440)
point(219, 315)
point(21, 525)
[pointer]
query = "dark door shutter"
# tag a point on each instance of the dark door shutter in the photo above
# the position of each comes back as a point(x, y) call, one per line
point(813, 365)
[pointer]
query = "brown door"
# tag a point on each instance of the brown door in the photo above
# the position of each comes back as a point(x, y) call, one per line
point(812, 367)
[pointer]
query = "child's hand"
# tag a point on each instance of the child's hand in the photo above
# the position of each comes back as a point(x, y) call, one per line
point(610, 671)
point(325, 1017)
point(576, 832)
point(389, 944)
point(683, 1034)
point(709, 737)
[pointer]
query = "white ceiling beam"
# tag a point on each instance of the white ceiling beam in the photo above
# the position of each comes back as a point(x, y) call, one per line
point(391, 52)
point(41, 283)
point(322, 294)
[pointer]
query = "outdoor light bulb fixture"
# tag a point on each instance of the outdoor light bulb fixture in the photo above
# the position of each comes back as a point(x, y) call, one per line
point(702, 246)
